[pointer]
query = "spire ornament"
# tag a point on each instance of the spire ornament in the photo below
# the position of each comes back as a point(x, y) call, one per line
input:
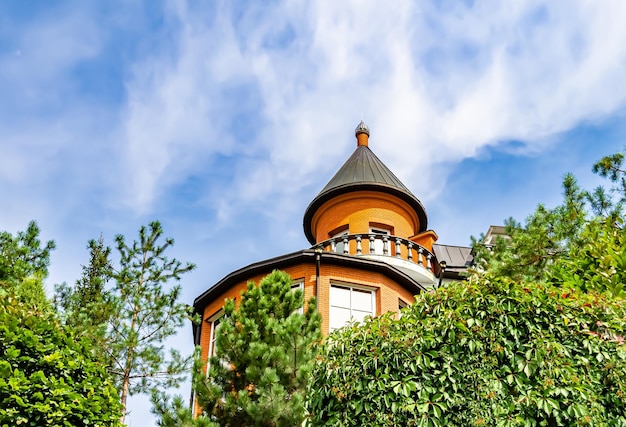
point(362, 128)
point(362, 133)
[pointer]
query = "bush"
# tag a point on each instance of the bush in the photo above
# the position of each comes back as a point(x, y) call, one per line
point(487, 352)
point(47, 377)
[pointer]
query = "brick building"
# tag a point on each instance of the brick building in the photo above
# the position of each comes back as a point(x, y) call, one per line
point(371, 250)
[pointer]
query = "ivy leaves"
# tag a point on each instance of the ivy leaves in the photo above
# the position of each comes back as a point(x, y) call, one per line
point(488, 352)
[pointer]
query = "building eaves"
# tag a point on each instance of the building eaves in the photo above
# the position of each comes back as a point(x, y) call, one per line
point(303, 256)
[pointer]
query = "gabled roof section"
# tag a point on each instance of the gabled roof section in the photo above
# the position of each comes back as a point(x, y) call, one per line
point(457, 258)
point(363, 171)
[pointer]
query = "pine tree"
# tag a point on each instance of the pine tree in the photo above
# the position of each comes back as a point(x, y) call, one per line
point(547, 236)
point(174, 412)
point(144, 314)
point(264, 355)
point(86, 305)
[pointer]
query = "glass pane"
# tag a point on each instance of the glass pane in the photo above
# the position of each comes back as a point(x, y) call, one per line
point(216, 324)
point(362, 300)
point(340, 296)
point(357, 315)
point(338, 317)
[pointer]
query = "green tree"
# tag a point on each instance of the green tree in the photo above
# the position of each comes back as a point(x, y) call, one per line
point(612, 167)
point(597, 262)
point(86, 305)
point(553, 239)
point(144, 314)
point(24, 263)
point(545, 237)
point(485, 352)
point(264, 355)
point(49, 376)
point(175, 412)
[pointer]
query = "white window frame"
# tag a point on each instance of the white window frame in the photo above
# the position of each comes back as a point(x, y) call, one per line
point(351, 287)
point(214, 321)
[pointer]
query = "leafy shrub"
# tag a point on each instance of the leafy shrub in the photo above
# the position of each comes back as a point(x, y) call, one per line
point(487, 352)
point(47, 377)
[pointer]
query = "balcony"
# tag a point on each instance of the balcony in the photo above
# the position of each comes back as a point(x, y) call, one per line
point(408, 256)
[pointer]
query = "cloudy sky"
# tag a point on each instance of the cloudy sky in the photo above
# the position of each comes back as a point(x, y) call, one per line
point(224, 119)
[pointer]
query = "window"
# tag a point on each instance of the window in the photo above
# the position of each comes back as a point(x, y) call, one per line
point(350, 303)
point(295, 286)
point(339, 245)
point(378, 242)
point(214, 321)
point(214, 326)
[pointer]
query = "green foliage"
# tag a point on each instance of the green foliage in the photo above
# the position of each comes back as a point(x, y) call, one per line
point(597, 262)
point(24, 264)
point(544, 238)
point(487, 352)
point(144, 314)
point(86, 305)
point(579, 242)
point(612, 167)
point(48, 377)
point(176, 413)
point(265, 351)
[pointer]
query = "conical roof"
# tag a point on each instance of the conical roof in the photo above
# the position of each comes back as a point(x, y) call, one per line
point(363, 171)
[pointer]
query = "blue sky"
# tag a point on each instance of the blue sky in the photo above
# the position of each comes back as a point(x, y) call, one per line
point(224, 119)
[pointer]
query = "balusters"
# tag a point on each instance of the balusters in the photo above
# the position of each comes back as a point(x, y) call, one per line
point(341, 245)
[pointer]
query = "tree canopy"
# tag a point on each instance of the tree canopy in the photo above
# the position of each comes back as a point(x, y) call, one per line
point(144, 312)
point(24, 264)
point(553, 239)
point(264, 355)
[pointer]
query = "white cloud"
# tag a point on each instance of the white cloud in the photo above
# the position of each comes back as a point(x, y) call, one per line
point(277, 89)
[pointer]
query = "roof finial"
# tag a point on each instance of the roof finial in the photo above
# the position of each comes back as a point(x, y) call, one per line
point(362, 133)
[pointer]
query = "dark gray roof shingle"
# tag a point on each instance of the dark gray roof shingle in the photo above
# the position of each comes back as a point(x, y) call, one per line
point(363, 171)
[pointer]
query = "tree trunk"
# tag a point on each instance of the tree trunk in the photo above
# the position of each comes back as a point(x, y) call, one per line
point(124, 396)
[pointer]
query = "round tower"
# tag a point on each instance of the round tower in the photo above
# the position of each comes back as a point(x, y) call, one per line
point(364, 196)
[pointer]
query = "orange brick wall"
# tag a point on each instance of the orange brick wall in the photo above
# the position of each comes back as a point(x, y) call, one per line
point(360, 209)
point(387, 292)
point(426, 239)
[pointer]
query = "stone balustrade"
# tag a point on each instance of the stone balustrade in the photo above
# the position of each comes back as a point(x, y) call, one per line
point(379, 244)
